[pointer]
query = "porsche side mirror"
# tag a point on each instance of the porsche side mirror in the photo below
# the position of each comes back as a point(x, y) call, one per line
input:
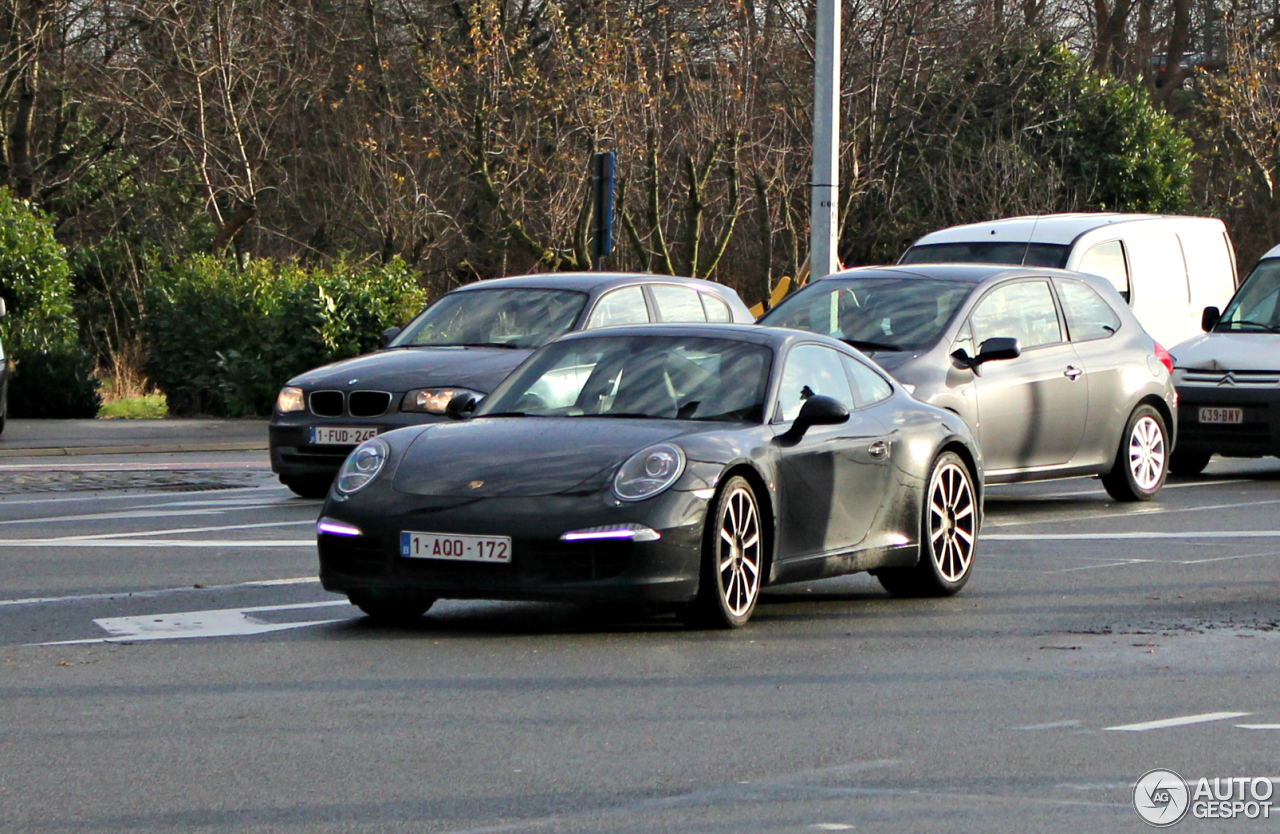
point(461, 407)
point(389, 334)
point(816, 411)
point(1208, 319)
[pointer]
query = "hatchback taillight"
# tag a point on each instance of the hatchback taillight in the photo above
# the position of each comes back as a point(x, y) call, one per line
point(1165, 357)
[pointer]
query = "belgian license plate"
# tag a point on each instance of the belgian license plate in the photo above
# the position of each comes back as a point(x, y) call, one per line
point(1222, 415)
point(454, 548)
point(344, 436)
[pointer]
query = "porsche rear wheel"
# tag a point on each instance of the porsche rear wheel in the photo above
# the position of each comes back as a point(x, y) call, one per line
point(948, 535)
point(732, 560)
point(400, 612)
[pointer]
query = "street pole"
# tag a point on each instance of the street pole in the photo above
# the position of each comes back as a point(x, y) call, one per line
point(824, 225)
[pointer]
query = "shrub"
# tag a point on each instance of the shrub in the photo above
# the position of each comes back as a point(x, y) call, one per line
point(52, 375)
point(223, 340)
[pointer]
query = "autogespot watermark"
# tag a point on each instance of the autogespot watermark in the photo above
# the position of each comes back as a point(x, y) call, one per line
point(1162, 798)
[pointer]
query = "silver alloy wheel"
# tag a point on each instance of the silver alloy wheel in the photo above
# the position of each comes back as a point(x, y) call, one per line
point(738, 551)
point(1146, 453)
point(952, 521)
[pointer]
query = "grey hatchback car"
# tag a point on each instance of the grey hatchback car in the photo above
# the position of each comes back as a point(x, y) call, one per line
point(1050, 368)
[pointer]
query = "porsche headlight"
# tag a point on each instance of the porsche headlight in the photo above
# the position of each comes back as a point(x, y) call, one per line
point(362, 466)
point(647, 473)
point(433, 400)
point(290, 399)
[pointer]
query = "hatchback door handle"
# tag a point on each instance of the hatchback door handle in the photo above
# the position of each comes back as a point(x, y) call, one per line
point(878, 449)
point(1072, 372)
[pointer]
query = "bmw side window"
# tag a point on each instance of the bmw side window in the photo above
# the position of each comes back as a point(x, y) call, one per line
point(677, 303)
point(1089, 317)
point(1023, 310)
point(715, 309)
point(869, 387)
point(1107, 260)
point(811, 370)
point(624, 306)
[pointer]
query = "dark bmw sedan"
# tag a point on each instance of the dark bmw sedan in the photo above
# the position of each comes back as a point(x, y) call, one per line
point(464, 344)
point(1050, 367)
point(676, 465)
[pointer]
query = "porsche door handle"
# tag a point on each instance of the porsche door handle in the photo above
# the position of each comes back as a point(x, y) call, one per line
point(1072, 372)
point(878, 450)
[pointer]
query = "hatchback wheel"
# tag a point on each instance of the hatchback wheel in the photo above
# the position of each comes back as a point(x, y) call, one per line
point(1142, 461)
point(732, 560)
point(948, 535)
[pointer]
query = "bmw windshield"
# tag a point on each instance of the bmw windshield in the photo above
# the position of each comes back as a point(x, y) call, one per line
point(661, 377)
point(873, 313)
point(1255, 307)
point(505, 318)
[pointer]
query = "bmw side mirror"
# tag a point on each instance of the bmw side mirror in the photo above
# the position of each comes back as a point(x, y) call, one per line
point(997, 349)
point(816, 411)
point(461, 407)
point(1208, 319)
point(389, 334)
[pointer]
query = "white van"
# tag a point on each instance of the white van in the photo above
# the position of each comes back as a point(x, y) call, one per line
point(1168, 268)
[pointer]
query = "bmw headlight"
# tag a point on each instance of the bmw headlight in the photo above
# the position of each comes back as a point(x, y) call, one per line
point(362, 466)
point(647, 473)
point(433, 400)
point(290, 399)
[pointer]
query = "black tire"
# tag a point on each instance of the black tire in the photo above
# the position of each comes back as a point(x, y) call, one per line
point(733, 557)
point(949, 522)
point(1142, 461)
point(393, 611)
point(1188, 464)
point(308, 487)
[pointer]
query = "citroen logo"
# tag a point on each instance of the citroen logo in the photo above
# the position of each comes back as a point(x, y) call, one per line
point(475, 484)
point(1228, 381)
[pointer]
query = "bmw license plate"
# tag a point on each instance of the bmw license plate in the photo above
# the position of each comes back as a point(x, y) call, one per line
point(341, 436)
point(454, 548)
point(1222, 415)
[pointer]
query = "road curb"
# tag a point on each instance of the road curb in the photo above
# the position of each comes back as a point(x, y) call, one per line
point(154, 448)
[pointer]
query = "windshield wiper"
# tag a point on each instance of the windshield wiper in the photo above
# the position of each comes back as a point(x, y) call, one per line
point(507, 345)
point(635, 415)
point(1270, 328)
point(507, 414)
point(863, 345)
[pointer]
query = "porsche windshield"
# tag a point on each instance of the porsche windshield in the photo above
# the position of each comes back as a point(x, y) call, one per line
point(1256, 306)
point(873, 313)
point(662, 377)
point(509, 318)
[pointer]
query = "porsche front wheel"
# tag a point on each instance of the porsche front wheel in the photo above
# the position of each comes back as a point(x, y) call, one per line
point(732, 560)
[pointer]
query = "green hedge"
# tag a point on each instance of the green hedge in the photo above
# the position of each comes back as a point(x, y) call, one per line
point(222, 340)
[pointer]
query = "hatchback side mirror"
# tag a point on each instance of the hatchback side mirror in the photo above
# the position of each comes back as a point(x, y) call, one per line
point(1209, 319)
point(816, 411)
point(994, 349)
point(461, 406)
point(389, 334)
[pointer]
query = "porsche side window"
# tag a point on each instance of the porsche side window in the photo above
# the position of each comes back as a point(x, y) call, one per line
point(716, 309)
point(869, 387)
point(812, 370)
point(677, 303)
point(1023, 310)
point(624, 306)
point(1089, 317)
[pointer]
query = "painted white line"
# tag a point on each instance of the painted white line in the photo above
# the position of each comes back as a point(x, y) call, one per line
point(1099, 490)
point(1052, 725)
point(94, 537)
point(1076, 519)
point(1259, 726)
point(1080, 537)
point(262, 583)
point(223, 622)
point(1181, 721)
point(832, 826)
point(132, 466)
point(10, 501)
point(171, 510)
point(230, 543)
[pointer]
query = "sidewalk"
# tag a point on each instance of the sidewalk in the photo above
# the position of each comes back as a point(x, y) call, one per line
point(49, 438)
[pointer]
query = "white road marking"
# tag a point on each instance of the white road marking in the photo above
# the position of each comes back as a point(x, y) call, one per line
point(1181, 721)
point(1075, 519)
point(63, 541)
point(255, 543)
point(223, 622)
point(262, 583)
point(1079, 537)
point(9, 501)
point(1259, 726)
point(133, 467)
point(832, 826)
point(1052, 725)
point(1099, 490)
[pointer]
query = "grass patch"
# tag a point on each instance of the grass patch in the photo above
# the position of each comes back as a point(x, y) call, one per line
point(147, 407)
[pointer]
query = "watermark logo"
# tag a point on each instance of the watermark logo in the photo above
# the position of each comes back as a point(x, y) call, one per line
point(1160, 797)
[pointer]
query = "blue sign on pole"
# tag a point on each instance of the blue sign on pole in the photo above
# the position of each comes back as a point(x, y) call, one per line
point(603, 179)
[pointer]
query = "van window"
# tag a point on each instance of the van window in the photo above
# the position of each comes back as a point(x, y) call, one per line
point(1209, 265)
point(1107, 261)
point(988, 252)
point(1022, 310)
point(1088, 316)
point(1159, 270)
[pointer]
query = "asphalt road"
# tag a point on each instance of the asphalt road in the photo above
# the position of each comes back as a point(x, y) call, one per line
point(169, 663)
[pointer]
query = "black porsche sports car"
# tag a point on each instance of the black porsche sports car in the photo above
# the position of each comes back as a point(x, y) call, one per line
point(685, 465)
